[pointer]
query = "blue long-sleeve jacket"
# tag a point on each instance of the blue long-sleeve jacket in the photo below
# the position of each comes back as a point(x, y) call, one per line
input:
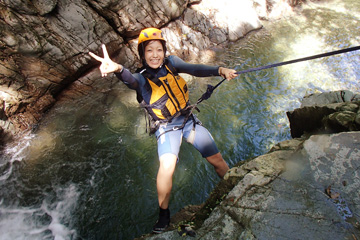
point(137, 82)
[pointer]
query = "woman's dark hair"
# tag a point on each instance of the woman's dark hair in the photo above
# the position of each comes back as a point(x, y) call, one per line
point(142, 46)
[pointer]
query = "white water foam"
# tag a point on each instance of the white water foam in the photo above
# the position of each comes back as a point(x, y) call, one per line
point(44, 222)
point(14, 153)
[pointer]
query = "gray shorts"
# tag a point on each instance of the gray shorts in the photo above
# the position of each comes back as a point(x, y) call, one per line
point(170, 142)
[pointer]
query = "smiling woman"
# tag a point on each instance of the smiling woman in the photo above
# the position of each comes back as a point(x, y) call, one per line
point(153, 42)
point(165, 96)
point(154, 54)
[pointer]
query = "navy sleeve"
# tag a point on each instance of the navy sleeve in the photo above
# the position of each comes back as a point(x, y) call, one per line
point(129, 79)
point(197, 70)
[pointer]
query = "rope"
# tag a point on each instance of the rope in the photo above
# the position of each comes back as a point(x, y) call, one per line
point(301, 59)
point(210, 88)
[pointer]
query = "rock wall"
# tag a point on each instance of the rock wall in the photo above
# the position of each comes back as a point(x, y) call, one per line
point(45, 43)
point(326, 113)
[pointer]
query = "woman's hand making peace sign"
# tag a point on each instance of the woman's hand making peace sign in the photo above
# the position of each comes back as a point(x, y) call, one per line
point(107, 65)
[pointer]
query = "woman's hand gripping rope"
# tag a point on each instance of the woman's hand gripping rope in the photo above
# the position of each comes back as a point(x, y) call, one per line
point(227, 73)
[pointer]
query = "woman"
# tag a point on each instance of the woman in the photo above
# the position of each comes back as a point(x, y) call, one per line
point(164, 94)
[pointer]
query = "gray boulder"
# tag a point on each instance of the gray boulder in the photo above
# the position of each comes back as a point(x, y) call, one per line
point(329, 112)
point(301, 189)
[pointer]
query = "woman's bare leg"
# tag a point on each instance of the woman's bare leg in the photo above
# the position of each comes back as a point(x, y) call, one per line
point(219, 164)
point(164, 178)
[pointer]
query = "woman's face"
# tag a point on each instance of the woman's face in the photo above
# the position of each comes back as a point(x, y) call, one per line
point(154, 54)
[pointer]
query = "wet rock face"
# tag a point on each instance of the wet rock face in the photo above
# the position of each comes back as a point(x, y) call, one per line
point(43, 51)
point(304, 188)
point(45, 44)
point(330, 112)
point(301, 189)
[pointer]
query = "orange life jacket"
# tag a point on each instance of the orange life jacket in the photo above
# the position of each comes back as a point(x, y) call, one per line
point(169, 94)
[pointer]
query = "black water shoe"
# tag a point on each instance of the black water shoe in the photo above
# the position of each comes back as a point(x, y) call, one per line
point(163, 222)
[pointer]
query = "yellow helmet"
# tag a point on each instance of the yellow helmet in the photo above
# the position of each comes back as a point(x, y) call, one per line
point(150, 34)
